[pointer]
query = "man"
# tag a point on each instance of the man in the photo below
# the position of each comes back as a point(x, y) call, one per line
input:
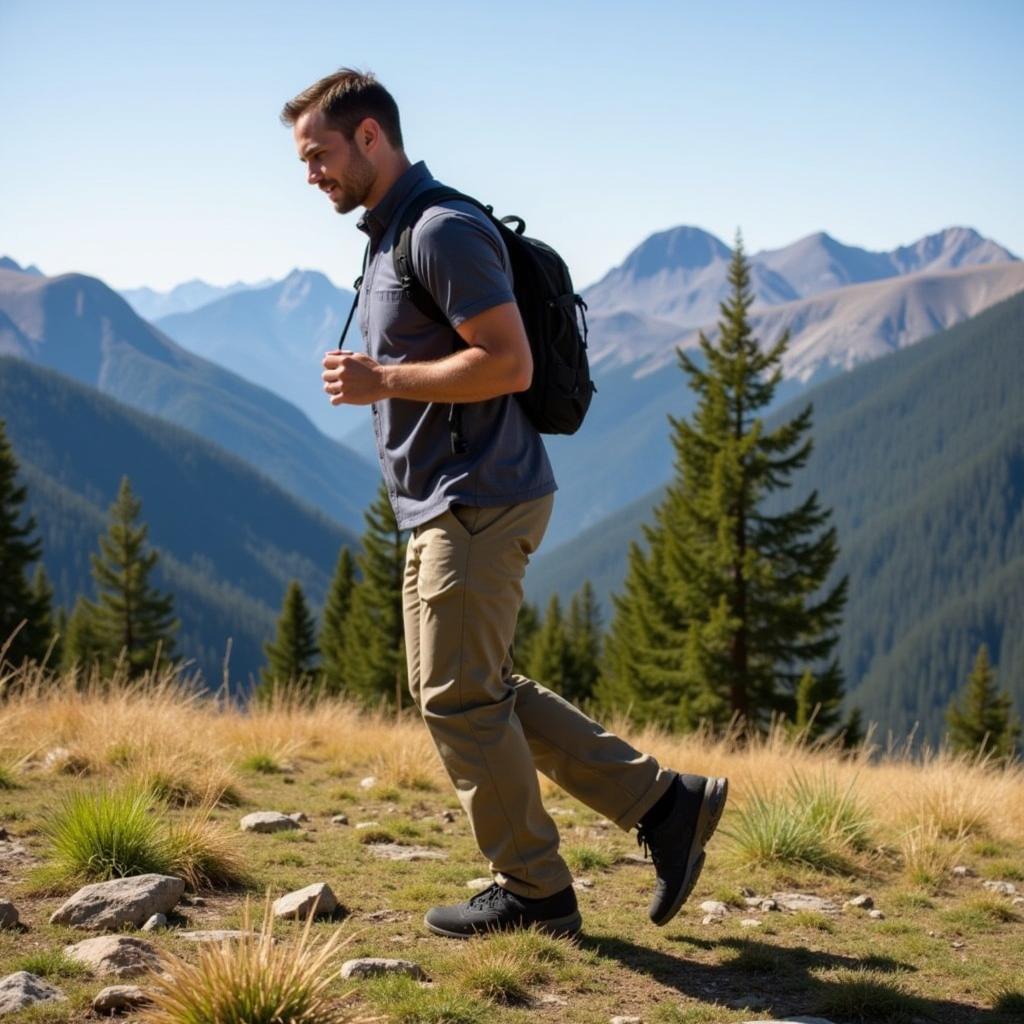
point(476, 511)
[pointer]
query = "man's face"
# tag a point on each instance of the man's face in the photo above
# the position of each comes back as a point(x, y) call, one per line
point(334, 164)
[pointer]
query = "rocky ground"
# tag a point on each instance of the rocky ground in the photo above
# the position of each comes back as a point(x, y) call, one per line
point(371, 856)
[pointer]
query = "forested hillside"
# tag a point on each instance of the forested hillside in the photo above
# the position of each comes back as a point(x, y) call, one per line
point(229, 538)
point(921, 457)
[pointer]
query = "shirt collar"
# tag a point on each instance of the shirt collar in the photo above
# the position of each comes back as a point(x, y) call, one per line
point(373, 222)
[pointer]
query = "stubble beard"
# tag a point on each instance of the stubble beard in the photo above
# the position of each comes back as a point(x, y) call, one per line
point(356, 184)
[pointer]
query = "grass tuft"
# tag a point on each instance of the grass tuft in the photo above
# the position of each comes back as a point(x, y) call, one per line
point(51, 963)
point(405, 1002)
point(928, 855)
point(770, 830)
point(261, 763)
point(205, 854)
point(867, 996)
point(253, 979)
point(584, 857)
point(102, 834)
point(980, 913)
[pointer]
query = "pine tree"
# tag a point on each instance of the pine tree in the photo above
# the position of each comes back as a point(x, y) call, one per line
point(373, 636)
point(332, 631)
point(527, 627)
point(47, 627)
point(726, 610)
point(292, 654)
point(19, 601)
point(131, 622)
point(983, 721)
point(550, 657)
point(583, 630)
point(81, 647)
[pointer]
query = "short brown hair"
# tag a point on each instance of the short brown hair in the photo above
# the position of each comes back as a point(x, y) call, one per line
point(345, 99)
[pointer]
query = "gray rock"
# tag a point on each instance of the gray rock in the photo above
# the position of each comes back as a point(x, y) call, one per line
point(479, 883)
point(299, 817)
point(583, 883)
point(106, 906)
point(116, 956)
point(267, 821)
point(215, 935)
point(876, 915)
point(447, 816)
point(155, 922)
point(796, 901)
point(715, 907)
point(8, 914)
point(963, 871)
point(863, 902)
point(760, 903)
point(339, 819)
point(368, 783)
point(393, 851)
point(120, 997)
point(712, 919)
point(371, 966)
point(316, 899)
point(1003, 888)
point(18, 991)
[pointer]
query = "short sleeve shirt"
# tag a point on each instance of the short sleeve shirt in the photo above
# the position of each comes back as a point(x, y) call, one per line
point(460, 258)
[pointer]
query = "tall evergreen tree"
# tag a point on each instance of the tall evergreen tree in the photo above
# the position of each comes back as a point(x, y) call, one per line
point(583, 631)
point(292, 654)
point(983, 720)
point(332, 630)
point(527, 627)
point(81, 645)
point(727, 609)
point(131, 621)
point(47, 626)
point(373, 636)
point(19, 548)
point(550, 657)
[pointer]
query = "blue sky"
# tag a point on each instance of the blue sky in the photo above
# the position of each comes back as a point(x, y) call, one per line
point(140, 142)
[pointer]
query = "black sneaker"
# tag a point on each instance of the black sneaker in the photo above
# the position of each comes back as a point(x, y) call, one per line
point(676, 843)
point(496, 909)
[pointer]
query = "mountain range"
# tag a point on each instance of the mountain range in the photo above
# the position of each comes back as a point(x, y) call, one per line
point(920, 457)
point(79, 326)
point(182, 298)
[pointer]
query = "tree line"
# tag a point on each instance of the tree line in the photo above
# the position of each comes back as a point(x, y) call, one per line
point(726, 613)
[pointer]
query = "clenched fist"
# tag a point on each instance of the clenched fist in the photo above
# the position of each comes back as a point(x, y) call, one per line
point(352, 378)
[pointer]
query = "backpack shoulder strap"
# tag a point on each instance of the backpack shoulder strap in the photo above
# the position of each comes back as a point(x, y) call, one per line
point(405, 271)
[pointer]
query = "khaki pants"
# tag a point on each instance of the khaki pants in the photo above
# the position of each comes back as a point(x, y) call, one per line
point(463, 588)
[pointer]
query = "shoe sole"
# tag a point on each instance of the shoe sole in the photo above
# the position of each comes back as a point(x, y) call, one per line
point(559, 927)
point(716, 792)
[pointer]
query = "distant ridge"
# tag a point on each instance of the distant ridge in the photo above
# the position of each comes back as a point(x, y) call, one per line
point(151, 304)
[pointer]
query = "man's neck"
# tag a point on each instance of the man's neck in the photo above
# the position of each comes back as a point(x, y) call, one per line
point(386, 177)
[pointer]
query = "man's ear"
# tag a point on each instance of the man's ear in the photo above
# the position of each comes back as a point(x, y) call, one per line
point(368, 133)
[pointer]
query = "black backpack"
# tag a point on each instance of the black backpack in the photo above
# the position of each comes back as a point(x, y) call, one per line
point(560, 392)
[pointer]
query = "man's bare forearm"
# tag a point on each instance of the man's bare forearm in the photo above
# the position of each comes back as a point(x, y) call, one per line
point(470, 375)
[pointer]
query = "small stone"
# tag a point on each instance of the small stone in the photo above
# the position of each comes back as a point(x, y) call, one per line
point(154, 923)
point(299, 817)
point(216, 935)
point(193, 901)
point(60, 759)
point(394, 851)
point(120, 997)
point(479, 883)
point(267, 821)
point(367, 824)
point(712, 919)
point(583, 883)
point(368, 783)
point(715, 907)
point(603, 824)
point(1018, 901)
point(1003, 888)
point(959, 944)
point(620, 1019)
point(860, 902)
point(8, 914)
point(372, 966)
point(876, 915)
point(316, 899)
point(963, 871)
point(796, 901)
point(118, 956)
point(447, 816)
point(750, 922)
point(750, 1002)
point(339, 819)
point(20, 990)
point(107, 906)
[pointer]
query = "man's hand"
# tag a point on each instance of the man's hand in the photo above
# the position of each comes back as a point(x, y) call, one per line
point(352, 378)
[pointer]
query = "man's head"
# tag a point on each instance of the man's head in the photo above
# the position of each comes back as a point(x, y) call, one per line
point(347, 132)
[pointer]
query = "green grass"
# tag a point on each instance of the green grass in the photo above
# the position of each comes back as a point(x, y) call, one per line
point(8, 776)
point(583, 857)
point(867, 996)
point(405, 1002)
point(1004, 870)
point(51, 963)
point(769, 830)
point(980, 913)
point(261, 764)
point(97, 835)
